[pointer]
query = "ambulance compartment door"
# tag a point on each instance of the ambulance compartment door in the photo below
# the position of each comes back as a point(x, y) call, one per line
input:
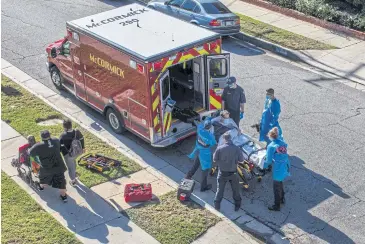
point(77, 67)
point(166, 109)
point(217, 72)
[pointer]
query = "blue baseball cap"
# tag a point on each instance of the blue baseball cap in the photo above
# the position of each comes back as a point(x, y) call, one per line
point(231, 80)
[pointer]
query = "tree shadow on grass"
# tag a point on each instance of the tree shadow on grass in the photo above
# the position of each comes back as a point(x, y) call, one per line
point(10, 91)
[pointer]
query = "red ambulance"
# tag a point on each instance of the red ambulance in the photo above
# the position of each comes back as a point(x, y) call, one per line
point(139, 68)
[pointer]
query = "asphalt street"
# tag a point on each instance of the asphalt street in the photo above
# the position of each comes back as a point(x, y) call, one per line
point(323, 122)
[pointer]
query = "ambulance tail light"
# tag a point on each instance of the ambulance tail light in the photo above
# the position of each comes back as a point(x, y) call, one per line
point(215, 23)
point(212, 45)
point(157, 65)
point(140, 68)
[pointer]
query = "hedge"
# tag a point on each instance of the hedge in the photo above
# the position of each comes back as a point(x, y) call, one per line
point(350, 13)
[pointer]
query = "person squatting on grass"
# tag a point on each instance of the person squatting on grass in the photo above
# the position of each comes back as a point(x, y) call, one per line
point(52, 166)
point(72, 146)
point(277, 155)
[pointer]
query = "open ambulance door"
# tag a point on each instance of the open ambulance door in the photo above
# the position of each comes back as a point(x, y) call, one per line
point(166, 106)
point(218, 71)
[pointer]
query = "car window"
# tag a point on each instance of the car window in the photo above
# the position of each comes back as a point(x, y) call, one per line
point(215, 8)
point(66, 48)
point(176, 3)
point(197, 9)
point(189, 5)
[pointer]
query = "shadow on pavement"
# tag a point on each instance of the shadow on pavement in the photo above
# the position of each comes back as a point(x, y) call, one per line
point(85, 213)
point(240, 47)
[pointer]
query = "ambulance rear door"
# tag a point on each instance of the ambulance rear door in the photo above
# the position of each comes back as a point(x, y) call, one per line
point(217, 68)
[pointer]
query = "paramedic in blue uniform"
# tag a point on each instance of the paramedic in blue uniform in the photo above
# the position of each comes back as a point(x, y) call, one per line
point(233, 100)
point(270, 116)
point(277, 155)
point(203, 148)
point(227, 156)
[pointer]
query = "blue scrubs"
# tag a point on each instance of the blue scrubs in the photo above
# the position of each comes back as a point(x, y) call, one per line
point(269, 119)
point(276, 153)
point(204, 153)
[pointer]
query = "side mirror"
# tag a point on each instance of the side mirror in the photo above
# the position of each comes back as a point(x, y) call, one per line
point(53, 52)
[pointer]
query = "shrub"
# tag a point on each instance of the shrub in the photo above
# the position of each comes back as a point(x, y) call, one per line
point(359, 22)
point(285, 3)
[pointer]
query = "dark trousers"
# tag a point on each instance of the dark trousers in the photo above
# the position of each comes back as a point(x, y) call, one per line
point(235, 115)
point(205, 173)
point(222, 179)
point(278, 192)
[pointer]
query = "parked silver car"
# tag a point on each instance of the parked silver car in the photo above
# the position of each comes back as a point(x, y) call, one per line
point(210, 14)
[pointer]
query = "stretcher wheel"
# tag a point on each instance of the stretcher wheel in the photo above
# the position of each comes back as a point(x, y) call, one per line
point(259, 179)
point(245, 185)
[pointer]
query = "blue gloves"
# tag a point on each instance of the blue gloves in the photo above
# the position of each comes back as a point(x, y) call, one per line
point(242, 115)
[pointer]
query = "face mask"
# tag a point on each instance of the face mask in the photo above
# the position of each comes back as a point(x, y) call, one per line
point(268, 97)
point(232, 86)
point(271, 139)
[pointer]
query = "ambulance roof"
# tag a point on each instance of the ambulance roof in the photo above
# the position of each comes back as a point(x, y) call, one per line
point(142, 32)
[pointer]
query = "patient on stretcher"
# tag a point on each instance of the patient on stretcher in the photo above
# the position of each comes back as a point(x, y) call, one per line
point(251, 150)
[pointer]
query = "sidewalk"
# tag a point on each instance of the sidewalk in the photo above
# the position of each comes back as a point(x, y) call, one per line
point(96, 220)
point(86, 214)
point(347, 61)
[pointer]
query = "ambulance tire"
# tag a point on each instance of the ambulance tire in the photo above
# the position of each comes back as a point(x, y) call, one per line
point(115, 121)
point(56, 78)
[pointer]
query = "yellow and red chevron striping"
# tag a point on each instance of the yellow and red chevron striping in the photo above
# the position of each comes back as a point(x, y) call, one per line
point(208, 48)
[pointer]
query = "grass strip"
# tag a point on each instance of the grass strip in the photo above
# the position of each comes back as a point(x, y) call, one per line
point(280, 36)
point(22, 111)
point(24, 221)
point(171, 221)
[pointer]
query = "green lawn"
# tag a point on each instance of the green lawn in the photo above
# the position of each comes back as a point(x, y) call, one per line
point(24, 221)
point(279, 36)
point(22, 110)
point(172, 222)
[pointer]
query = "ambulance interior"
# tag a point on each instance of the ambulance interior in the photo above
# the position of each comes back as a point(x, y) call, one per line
point(187, 86)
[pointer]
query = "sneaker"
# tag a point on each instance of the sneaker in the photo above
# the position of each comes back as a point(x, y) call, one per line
point(274, 208)
point(39, 188)
point(63, 198)
point(207, 188)
point(237, 207)
point(218, 208)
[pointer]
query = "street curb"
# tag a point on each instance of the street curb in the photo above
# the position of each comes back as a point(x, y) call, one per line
point(292, 55)
point(160, 175)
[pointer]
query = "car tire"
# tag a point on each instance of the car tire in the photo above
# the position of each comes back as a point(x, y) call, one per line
point(56, 78)
point(115, 121)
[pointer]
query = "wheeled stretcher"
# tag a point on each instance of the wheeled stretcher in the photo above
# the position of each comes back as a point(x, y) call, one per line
point(253, 153)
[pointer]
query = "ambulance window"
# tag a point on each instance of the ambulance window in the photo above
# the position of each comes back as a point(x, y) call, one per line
point(66, 48)
point(176, 3)
point(165, 88)
point(189, 5)
point(218, 68)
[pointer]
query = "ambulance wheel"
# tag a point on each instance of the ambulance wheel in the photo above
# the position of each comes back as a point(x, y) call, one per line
point(56, 78)
point(115, 121)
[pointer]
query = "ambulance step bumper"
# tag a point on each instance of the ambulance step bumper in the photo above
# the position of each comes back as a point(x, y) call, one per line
point(175, 138)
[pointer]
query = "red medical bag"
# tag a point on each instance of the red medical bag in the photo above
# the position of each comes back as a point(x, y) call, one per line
point(137, 192)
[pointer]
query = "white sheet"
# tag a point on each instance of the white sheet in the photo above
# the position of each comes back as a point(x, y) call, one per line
point(238, 138)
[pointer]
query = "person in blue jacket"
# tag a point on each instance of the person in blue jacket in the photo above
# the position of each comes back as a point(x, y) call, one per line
point(270, 116)
point(276, 154)
point(204, 142)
